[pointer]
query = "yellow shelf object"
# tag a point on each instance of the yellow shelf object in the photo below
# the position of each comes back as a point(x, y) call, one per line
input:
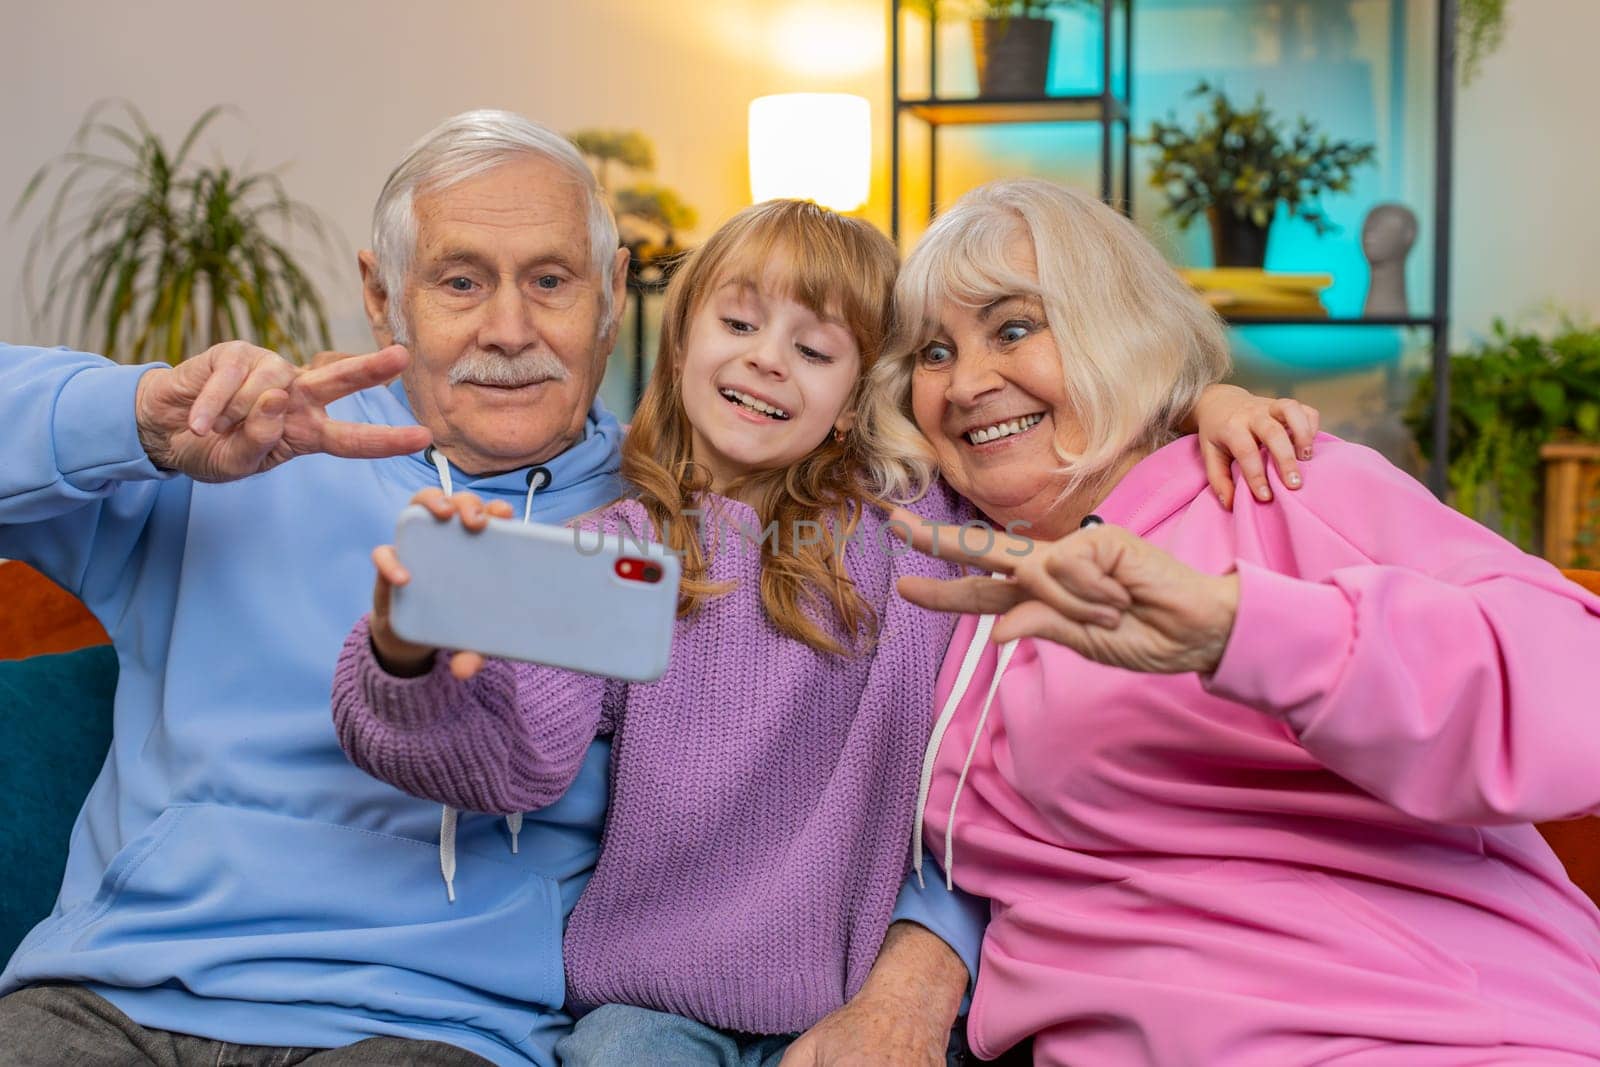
point(1240, 292)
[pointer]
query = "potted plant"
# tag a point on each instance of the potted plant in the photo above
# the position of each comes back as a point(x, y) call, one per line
point(1236, 166)
point(1511, 398)
point(1011, 41)
point(161, 257)
point(649, 216)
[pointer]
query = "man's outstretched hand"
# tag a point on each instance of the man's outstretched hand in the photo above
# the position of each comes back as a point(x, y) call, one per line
point(236, 410)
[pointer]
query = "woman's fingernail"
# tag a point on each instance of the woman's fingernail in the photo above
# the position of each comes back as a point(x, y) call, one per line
point(1263, 493)
point(1293, 481)
point(1305, 453)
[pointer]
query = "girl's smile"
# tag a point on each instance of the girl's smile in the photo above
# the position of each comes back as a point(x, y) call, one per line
point(765, 378)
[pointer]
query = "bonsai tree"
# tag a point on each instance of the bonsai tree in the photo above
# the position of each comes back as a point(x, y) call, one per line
point(156, 257)
point(649, 216)
point(1236, 166)
point(627, 148)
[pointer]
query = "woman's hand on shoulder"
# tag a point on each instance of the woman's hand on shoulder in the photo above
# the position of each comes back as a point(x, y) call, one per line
point(1235, 425)
point(1104, 592)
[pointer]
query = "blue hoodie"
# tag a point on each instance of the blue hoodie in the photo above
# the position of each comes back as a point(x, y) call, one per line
point(230, 874)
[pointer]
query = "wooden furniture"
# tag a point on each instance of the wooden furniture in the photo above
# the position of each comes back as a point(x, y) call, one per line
point(1571, 504)
point(1590, 580)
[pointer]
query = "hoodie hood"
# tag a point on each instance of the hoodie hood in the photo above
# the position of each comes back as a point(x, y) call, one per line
point(589, 471)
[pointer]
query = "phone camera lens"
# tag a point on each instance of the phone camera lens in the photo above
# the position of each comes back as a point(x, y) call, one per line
point(652, 573)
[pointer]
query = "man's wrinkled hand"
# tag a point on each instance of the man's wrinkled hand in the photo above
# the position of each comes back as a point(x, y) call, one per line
point(874, 1030)
point(902, 1015)
point(237, 410)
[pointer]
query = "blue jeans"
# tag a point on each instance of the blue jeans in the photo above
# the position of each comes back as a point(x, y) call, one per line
point(622, 1034)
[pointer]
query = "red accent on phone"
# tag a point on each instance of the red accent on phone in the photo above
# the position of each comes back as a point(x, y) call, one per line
point(638, 570)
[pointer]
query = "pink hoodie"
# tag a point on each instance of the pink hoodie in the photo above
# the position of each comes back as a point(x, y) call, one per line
point(1321, 853)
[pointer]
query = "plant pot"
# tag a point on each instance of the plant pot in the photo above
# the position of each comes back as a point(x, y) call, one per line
point(1236, 242)
point(1571, 503)
point(1013, 56)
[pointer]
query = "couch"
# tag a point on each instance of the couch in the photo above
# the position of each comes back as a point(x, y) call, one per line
point(57, 681)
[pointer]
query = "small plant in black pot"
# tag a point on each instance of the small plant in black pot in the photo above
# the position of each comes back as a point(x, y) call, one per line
point(1011, 41)
point(1236, 166)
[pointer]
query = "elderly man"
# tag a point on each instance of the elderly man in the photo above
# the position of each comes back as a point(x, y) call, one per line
point(236, 892)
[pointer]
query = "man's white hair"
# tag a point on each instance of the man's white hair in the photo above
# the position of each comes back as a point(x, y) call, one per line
point(463, 147)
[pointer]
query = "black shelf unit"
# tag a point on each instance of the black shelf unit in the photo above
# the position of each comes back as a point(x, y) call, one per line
point(1105, 109)
point(1110, 110)
point(640, 289)
point(1371, 321)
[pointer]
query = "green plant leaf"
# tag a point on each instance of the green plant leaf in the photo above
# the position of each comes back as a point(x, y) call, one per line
point(130, 251)
point(1552, 400)
point(1509, 396)
point(1246, 161)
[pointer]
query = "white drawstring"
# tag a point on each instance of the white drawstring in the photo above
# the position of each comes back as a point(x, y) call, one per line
point(969, 664)
point(977, 734)
point(538, 478)
point(447, 851)
point(514, 824)
point(958, 691)
point(442, 465)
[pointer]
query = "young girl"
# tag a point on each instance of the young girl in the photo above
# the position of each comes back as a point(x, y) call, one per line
point(762, 789)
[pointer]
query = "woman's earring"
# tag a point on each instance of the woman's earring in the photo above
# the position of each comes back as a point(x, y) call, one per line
point(838, 435)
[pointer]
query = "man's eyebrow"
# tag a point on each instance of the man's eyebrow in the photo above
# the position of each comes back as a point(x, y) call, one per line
point(558, 259)
point(459, 255)
point(454, 256)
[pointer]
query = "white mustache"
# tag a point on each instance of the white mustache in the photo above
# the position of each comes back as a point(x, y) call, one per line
point(480, 368)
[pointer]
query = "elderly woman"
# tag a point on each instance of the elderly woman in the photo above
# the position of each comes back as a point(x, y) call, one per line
point(1247, 787)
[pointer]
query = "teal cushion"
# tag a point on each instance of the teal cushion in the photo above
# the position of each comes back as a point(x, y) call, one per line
point(55, 727)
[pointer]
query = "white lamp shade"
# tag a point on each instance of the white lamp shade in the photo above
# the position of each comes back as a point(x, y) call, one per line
point(811, 146)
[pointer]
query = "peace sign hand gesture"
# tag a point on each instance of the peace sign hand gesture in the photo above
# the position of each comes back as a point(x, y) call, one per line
point(236, 410)
point(1103, 592)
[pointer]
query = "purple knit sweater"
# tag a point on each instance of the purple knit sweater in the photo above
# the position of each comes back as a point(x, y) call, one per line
point(761, 791)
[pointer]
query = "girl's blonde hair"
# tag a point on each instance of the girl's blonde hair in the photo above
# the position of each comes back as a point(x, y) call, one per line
point(837, 267)
point(1137, 345)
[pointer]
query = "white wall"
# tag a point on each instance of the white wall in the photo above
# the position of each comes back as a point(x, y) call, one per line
point(338, 90)
point(1527, 171)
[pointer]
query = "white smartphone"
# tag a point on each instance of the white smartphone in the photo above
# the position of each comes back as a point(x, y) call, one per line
point(545, 594)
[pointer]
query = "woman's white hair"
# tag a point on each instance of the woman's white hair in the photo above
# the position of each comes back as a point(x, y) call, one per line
point(463, 147)
point(1137, 345)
